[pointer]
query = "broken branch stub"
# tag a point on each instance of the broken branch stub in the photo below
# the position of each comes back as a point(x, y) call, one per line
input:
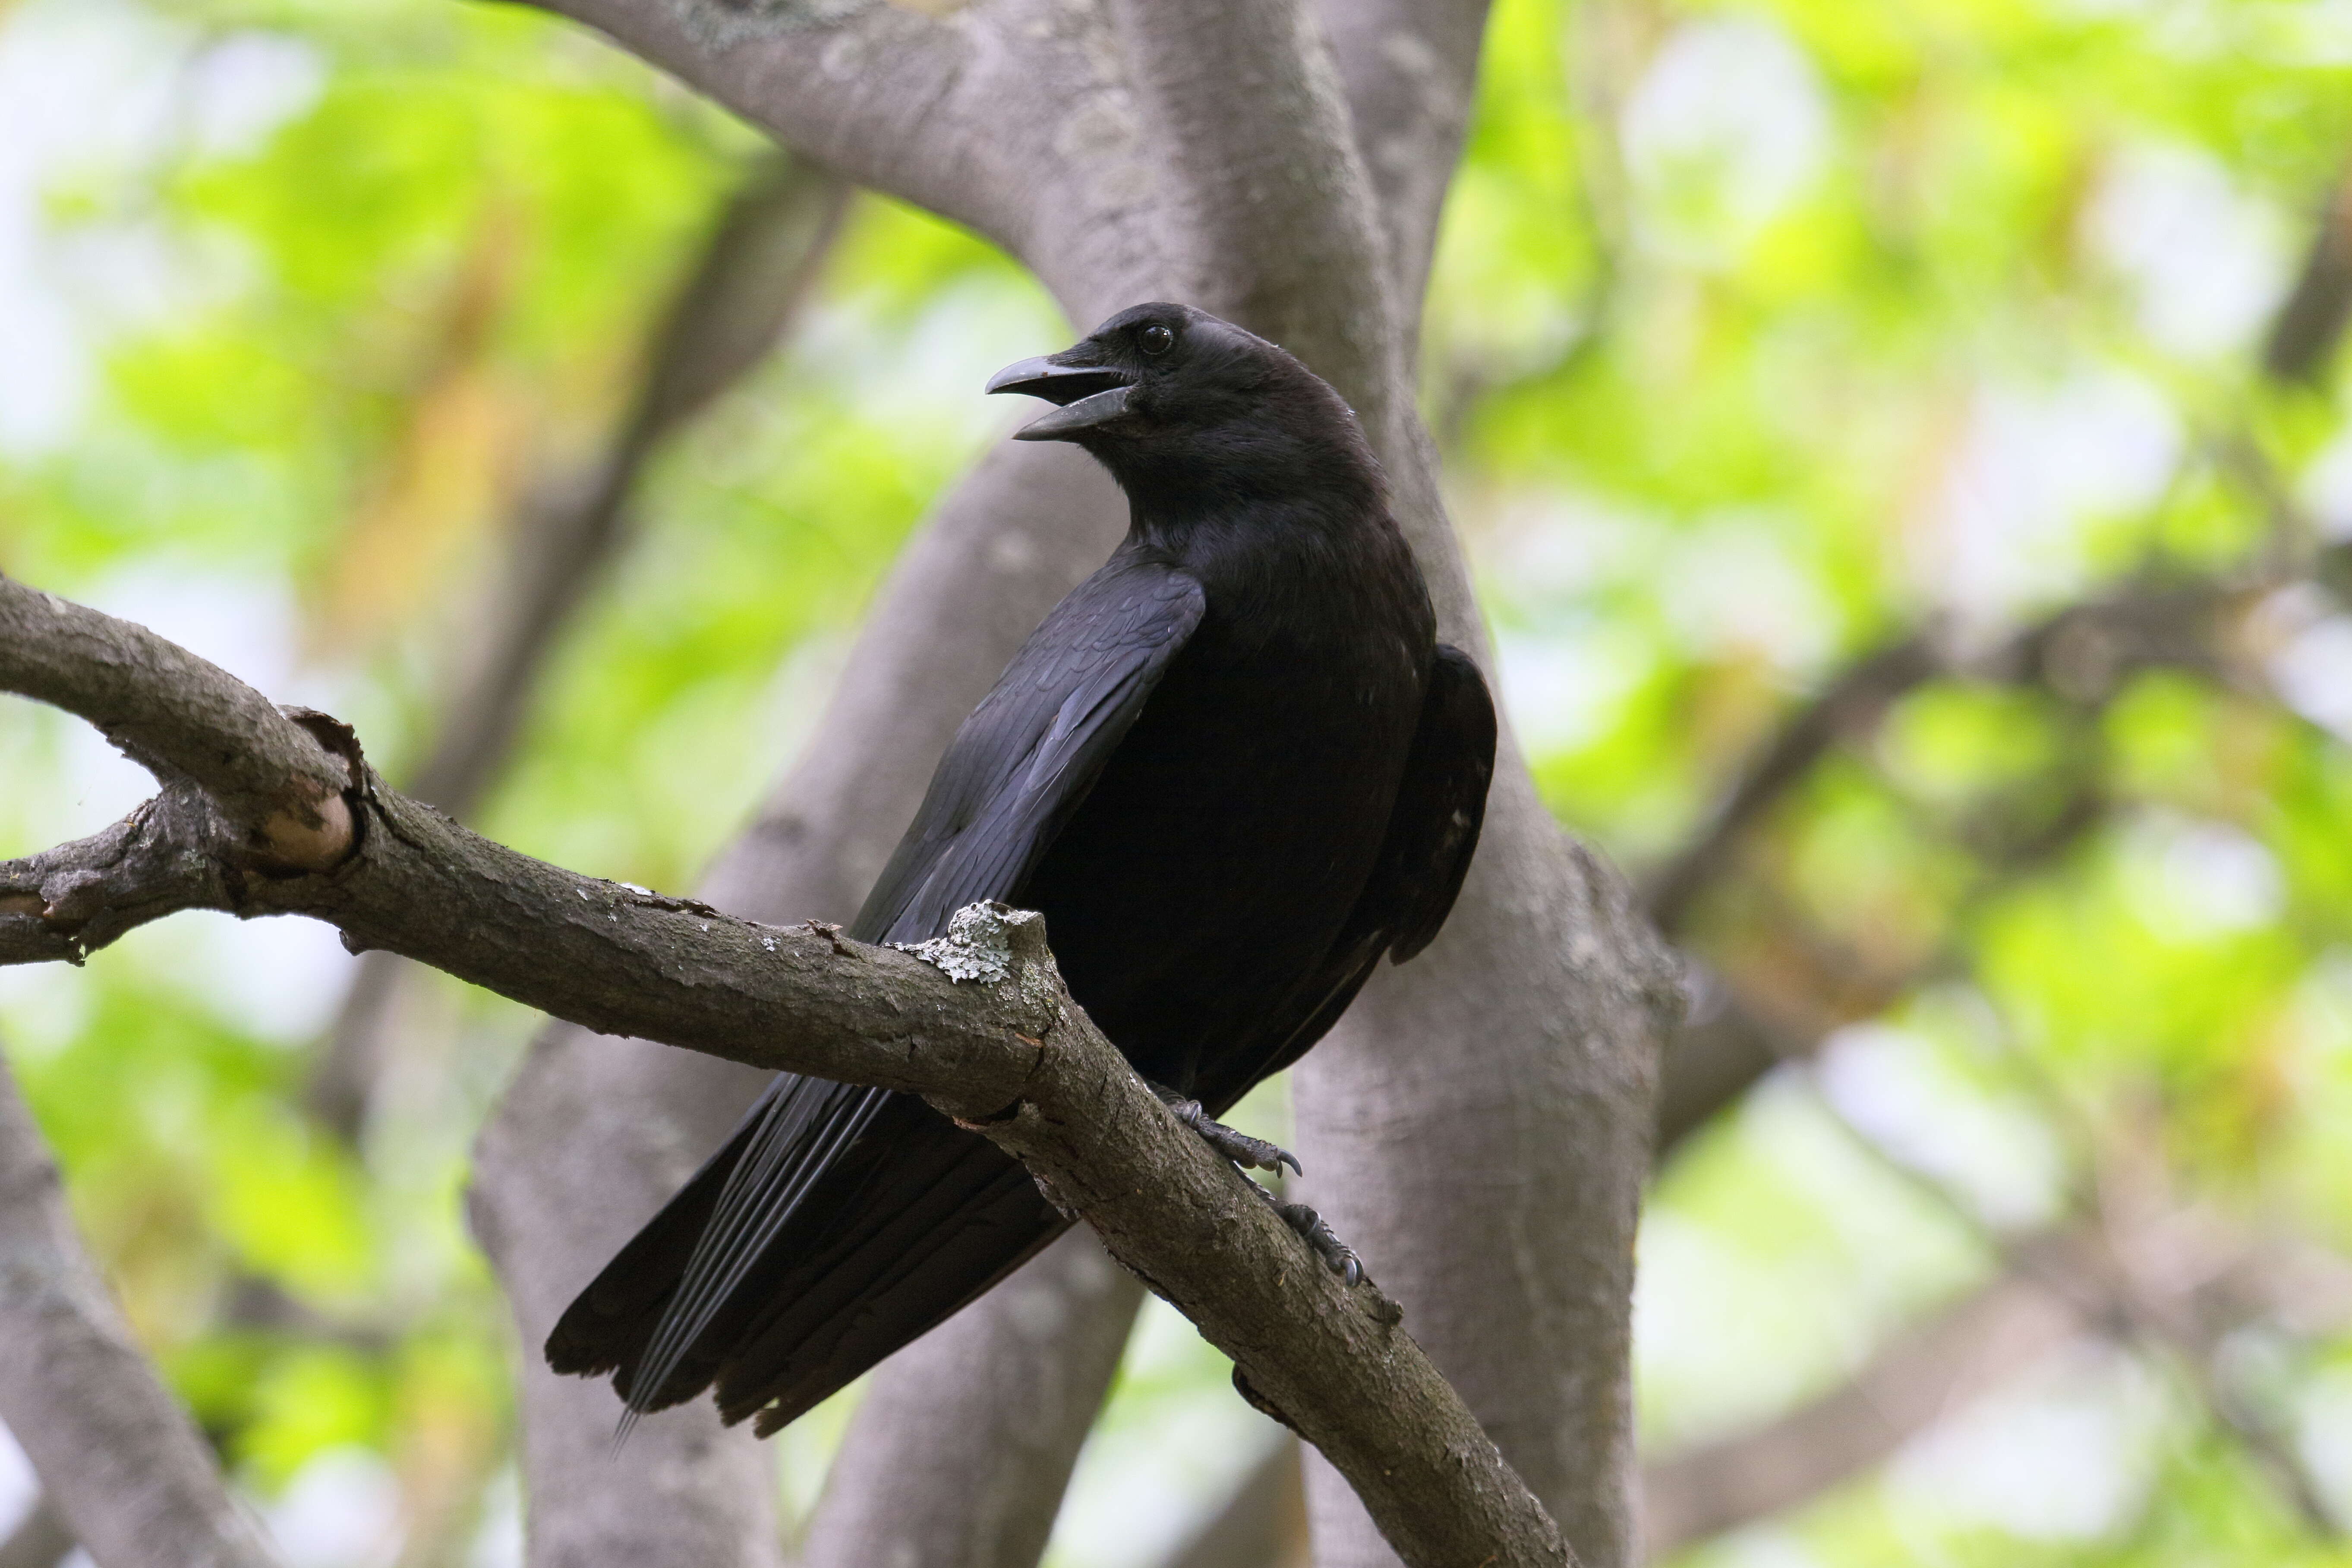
point(621, 960)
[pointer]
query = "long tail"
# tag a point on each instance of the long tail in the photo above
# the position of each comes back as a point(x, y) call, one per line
point(836, 1225)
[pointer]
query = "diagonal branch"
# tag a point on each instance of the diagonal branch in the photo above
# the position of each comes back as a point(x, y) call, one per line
point(122, 1468)
point(42, 1538)
point(2311, 324)
point(1010, 1056)
point(1852, 703)
point(272, 787)
point(1936, 1367)
point(1091, 144)
point(629, 1120)
point(1012, 117)
point(879, 93)
point(764, 256)
point(2083, 654)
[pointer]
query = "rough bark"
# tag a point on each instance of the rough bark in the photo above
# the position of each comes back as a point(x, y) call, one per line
point(1133, 171)
point(977, 1022)
point(118, 1459)
point(590, 1114)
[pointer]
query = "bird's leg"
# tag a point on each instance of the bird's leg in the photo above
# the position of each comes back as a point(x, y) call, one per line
point(1256, 1153)
point(1337, 1254)
point(1250, 1154)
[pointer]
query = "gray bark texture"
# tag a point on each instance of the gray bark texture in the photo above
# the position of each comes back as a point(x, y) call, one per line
point(977, 1022)
point(1285, 170)
point(1477, 1128)
point(122, 1468)
point(1030, 1372)
point(591, 1114)
point(42, 1538)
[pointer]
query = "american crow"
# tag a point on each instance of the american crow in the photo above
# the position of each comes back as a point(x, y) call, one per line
point(1233, 768)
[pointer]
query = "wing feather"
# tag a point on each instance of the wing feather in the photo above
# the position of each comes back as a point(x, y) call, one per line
point(1432, 834)
point(1441, 805)
point(1020, 765)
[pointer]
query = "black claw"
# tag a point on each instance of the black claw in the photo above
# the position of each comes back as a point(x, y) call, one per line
point(1250, 1154)
point(1337, 1254)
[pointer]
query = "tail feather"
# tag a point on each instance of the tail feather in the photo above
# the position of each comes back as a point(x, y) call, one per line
point(808, 1125)
point(611, 1321)
point(955, 1215)
point(824, 1235)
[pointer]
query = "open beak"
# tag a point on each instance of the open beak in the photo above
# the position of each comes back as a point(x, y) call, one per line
point(1089, 395)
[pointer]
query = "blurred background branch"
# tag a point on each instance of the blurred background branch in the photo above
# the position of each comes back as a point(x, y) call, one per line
point(765, 252)
point(1903, 458)
point(121, 1466)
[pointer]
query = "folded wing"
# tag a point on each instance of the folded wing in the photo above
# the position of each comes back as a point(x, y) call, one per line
point(837, 1223)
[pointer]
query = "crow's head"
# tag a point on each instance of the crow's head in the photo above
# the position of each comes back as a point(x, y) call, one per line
point(1171, 398)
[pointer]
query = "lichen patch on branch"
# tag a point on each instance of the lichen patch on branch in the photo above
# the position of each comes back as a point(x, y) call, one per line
point(979, 943)
point(405, 878)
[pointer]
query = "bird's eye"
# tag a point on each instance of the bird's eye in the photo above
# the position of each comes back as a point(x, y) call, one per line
point(1157, 340)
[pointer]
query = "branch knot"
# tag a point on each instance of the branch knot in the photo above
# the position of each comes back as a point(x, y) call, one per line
point(988, 943)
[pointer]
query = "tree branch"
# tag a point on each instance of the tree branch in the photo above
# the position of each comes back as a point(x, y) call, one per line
point(1410, 69)
point(980, 1487)
point(762, 258)
point(881, 94)
point(1013, 117)
point(1544, 1124)
point(41, 1540)
point(2311, 324)
point(271, 787)
point(2083, 655)
point(1270, 212)
point(630, 1121)
point(1852, 704)
point(1929, 1371)
point(1012, 1055)
point(116, 1455)
point(2058, 1286)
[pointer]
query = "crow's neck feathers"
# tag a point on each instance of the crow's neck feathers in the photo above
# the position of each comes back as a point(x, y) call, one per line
point(1282, 457)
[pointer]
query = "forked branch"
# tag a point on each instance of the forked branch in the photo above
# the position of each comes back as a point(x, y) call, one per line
point(978, 1023)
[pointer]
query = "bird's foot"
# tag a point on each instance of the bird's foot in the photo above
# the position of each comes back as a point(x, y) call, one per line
point(1337, 1254)
point(1256, 1153)
point(1250, 1154)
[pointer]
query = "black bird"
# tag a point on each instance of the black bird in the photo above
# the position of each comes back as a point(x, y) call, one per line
point(1234, 768)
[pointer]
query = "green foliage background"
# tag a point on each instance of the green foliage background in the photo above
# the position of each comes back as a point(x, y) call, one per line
point(1762, 334)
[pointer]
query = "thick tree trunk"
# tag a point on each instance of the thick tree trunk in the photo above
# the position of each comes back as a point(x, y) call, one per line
point(1483, 1169)
point(960, 1453)
point(1206, 152)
